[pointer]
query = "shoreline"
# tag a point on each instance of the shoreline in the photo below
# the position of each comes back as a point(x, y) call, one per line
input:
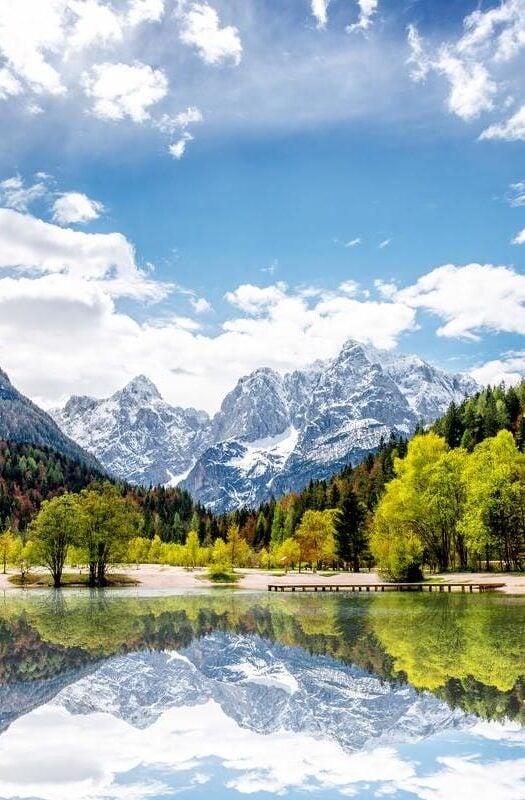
point(158, 576)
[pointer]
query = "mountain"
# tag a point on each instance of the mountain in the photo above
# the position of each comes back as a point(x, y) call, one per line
point(22, 421)
point(315, 422)
point(135, 434)
point(264, 687)
point(273, 433)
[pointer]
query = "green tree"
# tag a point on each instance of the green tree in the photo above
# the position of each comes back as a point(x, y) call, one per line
point(55, 529)
point(107, 523)
point(349, 533)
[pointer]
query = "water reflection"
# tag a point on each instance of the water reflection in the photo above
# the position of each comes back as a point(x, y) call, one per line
point(110, 695)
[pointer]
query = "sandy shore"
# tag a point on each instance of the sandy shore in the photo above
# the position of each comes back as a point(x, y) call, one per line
point(155, 576)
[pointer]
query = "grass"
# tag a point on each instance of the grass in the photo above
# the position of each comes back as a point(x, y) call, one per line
point(69, 579)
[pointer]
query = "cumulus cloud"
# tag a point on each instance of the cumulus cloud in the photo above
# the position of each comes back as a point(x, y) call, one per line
point(124, 90)
point(200, 28)
point(519, 238)
point(200, 305)
point(145, 11)
point(472, 63)
point(72, 207)
point(320, 11)
point(94, 22)
point(29, 245)
point(508, 369)
point(470, 299)
point(15, 194)
point(178, 148)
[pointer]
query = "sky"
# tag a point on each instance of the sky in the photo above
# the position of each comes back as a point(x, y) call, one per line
point(191, 190)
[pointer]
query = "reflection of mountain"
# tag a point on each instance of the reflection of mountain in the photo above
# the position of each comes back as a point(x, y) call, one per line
point(264, 687)
point(469, 652)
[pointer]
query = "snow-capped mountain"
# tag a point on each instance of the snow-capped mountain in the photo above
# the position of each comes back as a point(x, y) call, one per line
point(135, 434)
point(264, 687)
point(273, 432)
point(315, 422)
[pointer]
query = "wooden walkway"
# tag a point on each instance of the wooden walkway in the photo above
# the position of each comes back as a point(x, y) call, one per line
point(384, 587)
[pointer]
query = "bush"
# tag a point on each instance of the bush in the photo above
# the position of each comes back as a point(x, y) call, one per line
point(221, 573)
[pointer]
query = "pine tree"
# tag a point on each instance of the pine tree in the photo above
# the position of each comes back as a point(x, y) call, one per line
point(350, 539)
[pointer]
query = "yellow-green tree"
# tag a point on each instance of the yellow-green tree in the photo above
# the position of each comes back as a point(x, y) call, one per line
point(56, 527)
point(288, 554)
point(6, 543)
point(420, 512)
point(107, 523)
point(494, 517)
point(315, 537)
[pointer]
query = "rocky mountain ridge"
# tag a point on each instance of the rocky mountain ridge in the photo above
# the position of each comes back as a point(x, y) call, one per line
point(272, 433)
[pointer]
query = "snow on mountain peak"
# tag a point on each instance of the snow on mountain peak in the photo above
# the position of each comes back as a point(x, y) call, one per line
point(272, 433)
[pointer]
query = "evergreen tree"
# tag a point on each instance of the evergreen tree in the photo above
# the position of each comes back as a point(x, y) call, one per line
point(350, 539)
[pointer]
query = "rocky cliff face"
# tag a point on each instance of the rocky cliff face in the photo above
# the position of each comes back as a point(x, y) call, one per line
point(273, 433)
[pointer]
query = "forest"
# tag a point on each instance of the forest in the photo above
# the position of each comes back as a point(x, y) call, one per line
point(451, 498)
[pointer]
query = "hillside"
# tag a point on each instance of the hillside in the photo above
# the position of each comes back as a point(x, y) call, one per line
point(22, 421)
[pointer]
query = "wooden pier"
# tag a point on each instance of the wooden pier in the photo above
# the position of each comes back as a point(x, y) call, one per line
point(384, 587)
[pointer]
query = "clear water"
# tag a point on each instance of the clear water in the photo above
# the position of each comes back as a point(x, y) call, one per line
point(224, 694)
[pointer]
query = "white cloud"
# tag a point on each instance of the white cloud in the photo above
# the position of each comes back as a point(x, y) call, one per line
point(367, 11)
point(95, 23)
point(73, 207)
point(15, 194)
point(470, 299)
point(384, 243)
point(255, 299)
point(178, 148)
point(509, 369)
point(9, 85)
point(473, 63)
point(519, 238)
point(30, 32)
point(319, 10)
point(511, 130)
point(125, 90)
point(200, 28)
point(145, 11)
point(353, 242)
point(200, 305)
point(517, 194)
point(31, 245)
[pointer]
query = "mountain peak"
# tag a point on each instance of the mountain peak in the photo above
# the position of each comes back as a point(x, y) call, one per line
point(141, 389)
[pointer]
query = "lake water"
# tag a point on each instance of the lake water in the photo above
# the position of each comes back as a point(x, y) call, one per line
point(222, 694)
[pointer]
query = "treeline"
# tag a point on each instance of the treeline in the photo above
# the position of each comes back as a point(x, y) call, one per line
point(482, 416)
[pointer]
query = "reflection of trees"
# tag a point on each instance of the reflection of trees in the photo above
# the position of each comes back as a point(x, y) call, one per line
point(469, 651)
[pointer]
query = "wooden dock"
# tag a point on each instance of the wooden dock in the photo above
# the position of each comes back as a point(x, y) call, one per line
point(384, 587)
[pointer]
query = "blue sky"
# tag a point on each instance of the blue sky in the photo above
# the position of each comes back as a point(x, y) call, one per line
point(192, 189)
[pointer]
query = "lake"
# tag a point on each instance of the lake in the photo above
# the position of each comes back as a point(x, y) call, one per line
point(220, 693)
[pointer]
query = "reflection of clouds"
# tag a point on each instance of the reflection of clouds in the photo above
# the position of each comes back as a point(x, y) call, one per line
point(84, 756)
point(51, 754)
point(464, 779)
